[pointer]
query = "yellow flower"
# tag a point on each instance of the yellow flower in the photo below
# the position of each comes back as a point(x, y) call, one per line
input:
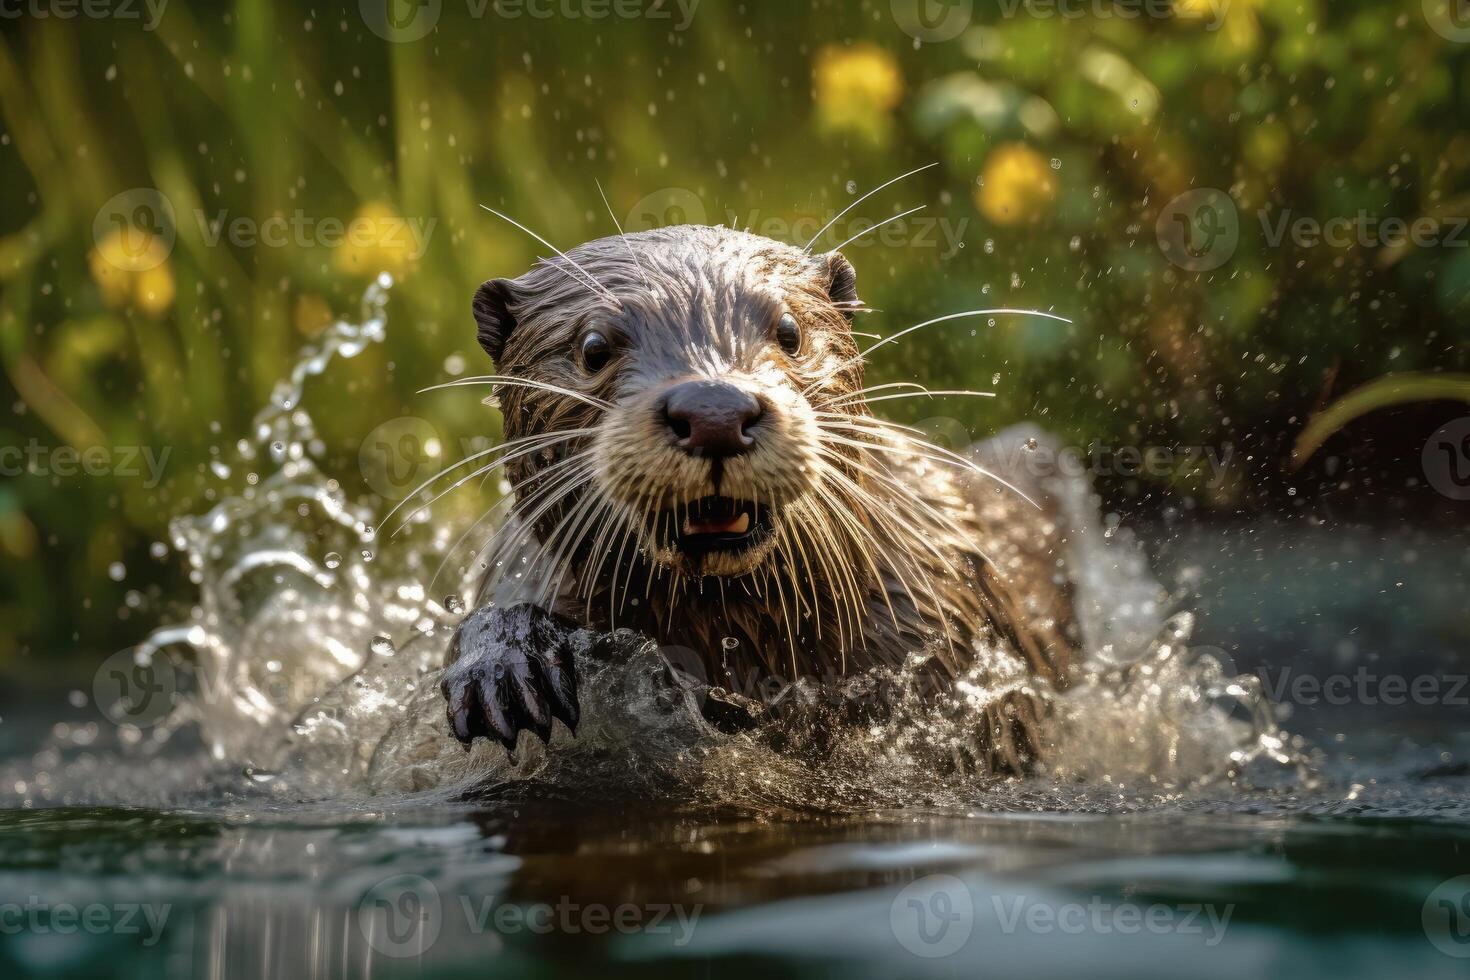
point(313, 314)
point(857, 88)
point(1016, 185)
point(131, 267)
point(378, 240)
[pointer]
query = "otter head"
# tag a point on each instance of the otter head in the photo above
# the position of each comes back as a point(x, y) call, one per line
point(683, 374)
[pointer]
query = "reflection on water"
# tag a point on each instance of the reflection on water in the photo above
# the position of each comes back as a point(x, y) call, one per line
point(1099, 884)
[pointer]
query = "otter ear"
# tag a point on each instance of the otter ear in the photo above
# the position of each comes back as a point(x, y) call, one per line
point(842, 283)
point(492, 314)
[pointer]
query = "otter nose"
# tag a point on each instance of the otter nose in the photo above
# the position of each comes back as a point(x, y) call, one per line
point(711, 418)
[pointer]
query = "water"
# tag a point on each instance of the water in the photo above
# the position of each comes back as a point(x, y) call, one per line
point(276, 795)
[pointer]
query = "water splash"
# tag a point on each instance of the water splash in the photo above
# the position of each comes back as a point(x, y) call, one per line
point(312, 660)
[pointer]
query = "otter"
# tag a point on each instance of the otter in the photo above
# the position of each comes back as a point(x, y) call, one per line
point(692, 456)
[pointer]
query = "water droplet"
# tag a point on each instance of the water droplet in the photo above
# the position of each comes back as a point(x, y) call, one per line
point(382, 646)
point(1056, 164)
point(333, 559)
point(851, 187)
point(117, 571)
point(454, 604)
point(1031, 444)
point(367, 556)
point(729, 643)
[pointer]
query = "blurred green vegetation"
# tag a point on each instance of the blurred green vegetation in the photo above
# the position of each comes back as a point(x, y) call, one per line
point(1061, 141)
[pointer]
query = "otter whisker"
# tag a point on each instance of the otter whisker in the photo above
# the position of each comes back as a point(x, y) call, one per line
point(915, 508)
point(540, 474)
point(838, 216)
point(923, 508)
point(489, 467)
point(843, 397)
point(891, 556)
point(916, 447)
point(533, 443)
point(919, 326)
point(583, 515)
point(514, 382)
point(629, 245)
point(961, 393)
point(590, 277)
point(873, 228)
point(568, 484)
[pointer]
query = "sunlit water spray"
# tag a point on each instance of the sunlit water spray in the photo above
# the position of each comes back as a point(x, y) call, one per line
point(309, 668)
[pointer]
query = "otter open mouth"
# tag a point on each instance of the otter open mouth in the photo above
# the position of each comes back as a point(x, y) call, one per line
point(717, 524)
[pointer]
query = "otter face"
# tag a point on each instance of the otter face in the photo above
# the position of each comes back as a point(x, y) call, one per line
point(689, 370)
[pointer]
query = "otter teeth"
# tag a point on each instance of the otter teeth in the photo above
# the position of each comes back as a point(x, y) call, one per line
point(735, 525)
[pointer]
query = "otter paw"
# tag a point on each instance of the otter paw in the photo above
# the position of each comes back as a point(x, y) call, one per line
point(510, 670)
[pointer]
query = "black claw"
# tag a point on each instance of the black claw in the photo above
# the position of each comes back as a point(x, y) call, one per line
point(511, 669)
point(462, 710)
point(496, 712)
point(533, 701)
point(560, 683)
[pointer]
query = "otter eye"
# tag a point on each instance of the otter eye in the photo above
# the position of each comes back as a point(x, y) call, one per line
point(596, 352)
point(788, 333)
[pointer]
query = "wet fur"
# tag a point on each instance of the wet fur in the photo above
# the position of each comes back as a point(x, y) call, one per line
point(924, 557)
